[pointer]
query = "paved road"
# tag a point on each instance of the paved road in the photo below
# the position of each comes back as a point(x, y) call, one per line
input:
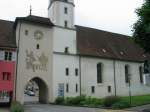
point(29, 99)
point(55, 108)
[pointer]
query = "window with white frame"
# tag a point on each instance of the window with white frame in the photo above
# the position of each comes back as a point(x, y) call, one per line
point(8, 56)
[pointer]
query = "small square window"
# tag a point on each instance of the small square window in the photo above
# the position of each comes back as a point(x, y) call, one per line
point(66, 49)
point(76, 72)
point(66, 23)
point(109, 89)
point(26, 32)
point(67, 71)
point(67, 88)
point(66, 10)
point(37, 46)
point(76, 88)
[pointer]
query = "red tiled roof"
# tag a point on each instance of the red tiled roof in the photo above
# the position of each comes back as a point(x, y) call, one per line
point(7, 37)
point(93, 42)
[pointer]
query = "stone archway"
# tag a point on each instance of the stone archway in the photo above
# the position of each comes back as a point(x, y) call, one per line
point(42, 90)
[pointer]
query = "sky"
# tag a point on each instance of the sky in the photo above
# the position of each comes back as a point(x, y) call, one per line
point(110, 15)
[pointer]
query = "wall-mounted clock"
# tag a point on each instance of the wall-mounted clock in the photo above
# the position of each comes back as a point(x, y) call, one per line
point(38, 35)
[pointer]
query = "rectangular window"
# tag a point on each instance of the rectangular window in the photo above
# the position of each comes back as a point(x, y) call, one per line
point(66, 10)
point(6, 76)
point(66, 49)
point(8, 56)
point(109, 89)
point(93, 89)
point(67, 88)
point(67, 71)
point(76, 72)
point(99, 73)
point(2, 55)
point(141, 74)
point(76, 88)
point(126, 73)
point(61, 90)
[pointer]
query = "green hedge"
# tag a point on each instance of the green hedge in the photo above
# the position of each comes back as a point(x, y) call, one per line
point(110, 101)
point(79, 101)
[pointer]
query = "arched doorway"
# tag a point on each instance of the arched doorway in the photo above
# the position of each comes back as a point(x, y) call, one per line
point(36, 91)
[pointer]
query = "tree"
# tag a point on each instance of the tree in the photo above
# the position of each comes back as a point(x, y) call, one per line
point(141, 29)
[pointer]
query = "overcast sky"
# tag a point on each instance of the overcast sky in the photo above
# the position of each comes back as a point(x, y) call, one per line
point(111, 15)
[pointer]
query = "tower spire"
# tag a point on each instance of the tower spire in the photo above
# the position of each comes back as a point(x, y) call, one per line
point(30, 10)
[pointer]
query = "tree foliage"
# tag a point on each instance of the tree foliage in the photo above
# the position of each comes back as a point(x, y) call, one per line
point(141, 29)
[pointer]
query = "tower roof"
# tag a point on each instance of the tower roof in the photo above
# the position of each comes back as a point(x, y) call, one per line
point(35, 20)
point(67, 1)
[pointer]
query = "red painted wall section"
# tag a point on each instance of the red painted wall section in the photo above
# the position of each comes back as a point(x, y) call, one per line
point(7, 66)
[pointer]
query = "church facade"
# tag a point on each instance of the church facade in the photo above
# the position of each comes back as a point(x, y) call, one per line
point(66, 60)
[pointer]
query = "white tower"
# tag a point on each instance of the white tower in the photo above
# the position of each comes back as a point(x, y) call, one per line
point(61, 12)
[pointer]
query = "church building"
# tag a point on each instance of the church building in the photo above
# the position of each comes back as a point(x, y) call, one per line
point(67, 60)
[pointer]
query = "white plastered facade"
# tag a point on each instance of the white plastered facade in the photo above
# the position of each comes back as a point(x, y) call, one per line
point(53, 44)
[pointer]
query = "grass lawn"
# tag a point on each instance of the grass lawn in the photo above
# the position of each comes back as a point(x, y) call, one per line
point(137, 100)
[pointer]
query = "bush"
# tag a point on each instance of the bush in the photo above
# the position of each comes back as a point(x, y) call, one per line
point(69, 100)
point(16, 107)
point(77, 100)
point(92, 102)
point(110, 100)
point(121, 105)
point(59, 100)
point(74, 100)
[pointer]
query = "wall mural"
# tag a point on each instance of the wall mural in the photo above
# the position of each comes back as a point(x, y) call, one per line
point(36, 62)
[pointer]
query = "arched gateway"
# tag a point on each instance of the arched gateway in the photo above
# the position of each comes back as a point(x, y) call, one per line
point(36, 90)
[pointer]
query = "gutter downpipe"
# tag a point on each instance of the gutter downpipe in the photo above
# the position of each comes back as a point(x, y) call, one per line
point(115, 83)
point(80, 73)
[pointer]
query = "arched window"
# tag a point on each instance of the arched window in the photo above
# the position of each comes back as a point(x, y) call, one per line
point(127, 73)
point(146, 66)
point(99, 73)
point(141, 74)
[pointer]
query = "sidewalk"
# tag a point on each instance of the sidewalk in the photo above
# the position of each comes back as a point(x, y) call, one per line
point(115, 111)
point(4, 109)
point(144, 108)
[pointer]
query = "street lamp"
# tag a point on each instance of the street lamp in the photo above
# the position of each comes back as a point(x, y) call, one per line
point(130, 95)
